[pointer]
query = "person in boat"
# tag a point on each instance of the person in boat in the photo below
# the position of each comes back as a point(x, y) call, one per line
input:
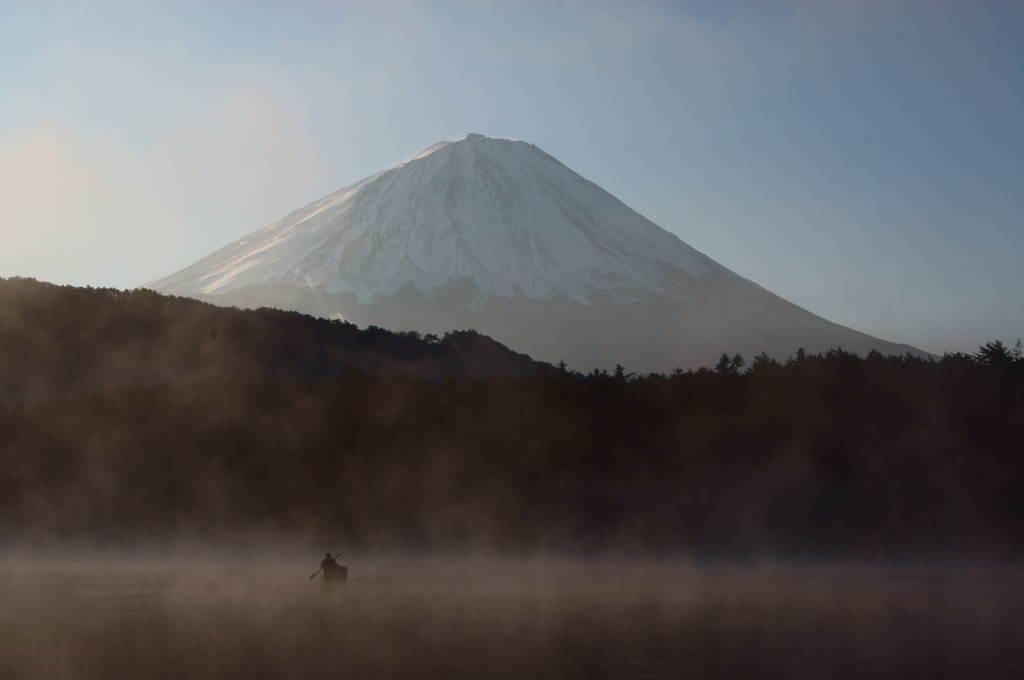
point(331, 569)
point(328, 564)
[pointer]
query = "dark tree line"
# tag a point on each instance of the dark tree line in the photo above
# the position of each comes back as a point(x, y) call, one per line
point(825, 457)
point(227, 427)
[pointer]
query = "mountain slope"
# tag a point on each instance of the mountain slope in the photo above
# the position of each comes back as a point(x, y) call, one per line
point(61, 340)
point(498, 236)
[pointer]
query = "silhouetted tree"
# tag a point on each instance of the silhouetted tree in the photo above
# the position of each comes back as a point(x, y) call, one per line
point(620, 374)
point(763, 362)
point(730, 365)
point(800, 357)
point(994, 354)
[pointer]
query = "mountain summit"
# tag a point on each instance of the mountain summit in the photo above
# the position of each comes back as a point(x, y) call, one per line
point(498, 236)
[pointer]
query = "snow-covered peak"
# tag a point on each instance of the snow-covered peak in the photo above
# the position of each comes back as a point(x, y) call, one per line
point(498, 212)
point(468, 137)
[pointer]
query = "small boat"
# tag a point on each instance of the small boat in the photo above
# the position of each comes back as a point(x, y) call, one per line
point(338, 573)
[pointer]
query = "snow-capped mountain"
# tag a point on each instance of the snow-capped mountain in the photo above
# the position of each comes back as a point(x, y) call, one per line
point(498, 236)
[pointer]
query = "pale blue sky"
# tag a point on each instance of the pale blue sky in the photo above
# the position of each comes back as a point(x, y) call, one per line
point(864, 160)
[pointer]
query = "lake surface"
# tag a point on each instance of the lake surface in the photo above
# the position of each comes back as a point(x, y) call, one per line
point(138, 619)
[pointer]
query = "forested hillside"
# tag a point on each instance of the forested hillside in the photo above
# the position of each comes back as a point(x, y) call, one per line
point(61, 340)
point(828, 456)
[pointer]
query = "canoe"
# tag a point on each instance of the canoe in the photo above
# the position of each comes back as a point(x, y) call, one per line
point(335, 573)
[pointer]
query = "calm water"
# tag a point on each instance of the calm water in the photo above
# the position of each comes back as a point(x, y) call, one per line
point(115, 620)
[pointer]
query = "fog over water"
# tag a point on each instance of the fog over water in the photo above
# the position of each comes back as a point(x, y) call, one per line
point(218, 618)
point(238, 447)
